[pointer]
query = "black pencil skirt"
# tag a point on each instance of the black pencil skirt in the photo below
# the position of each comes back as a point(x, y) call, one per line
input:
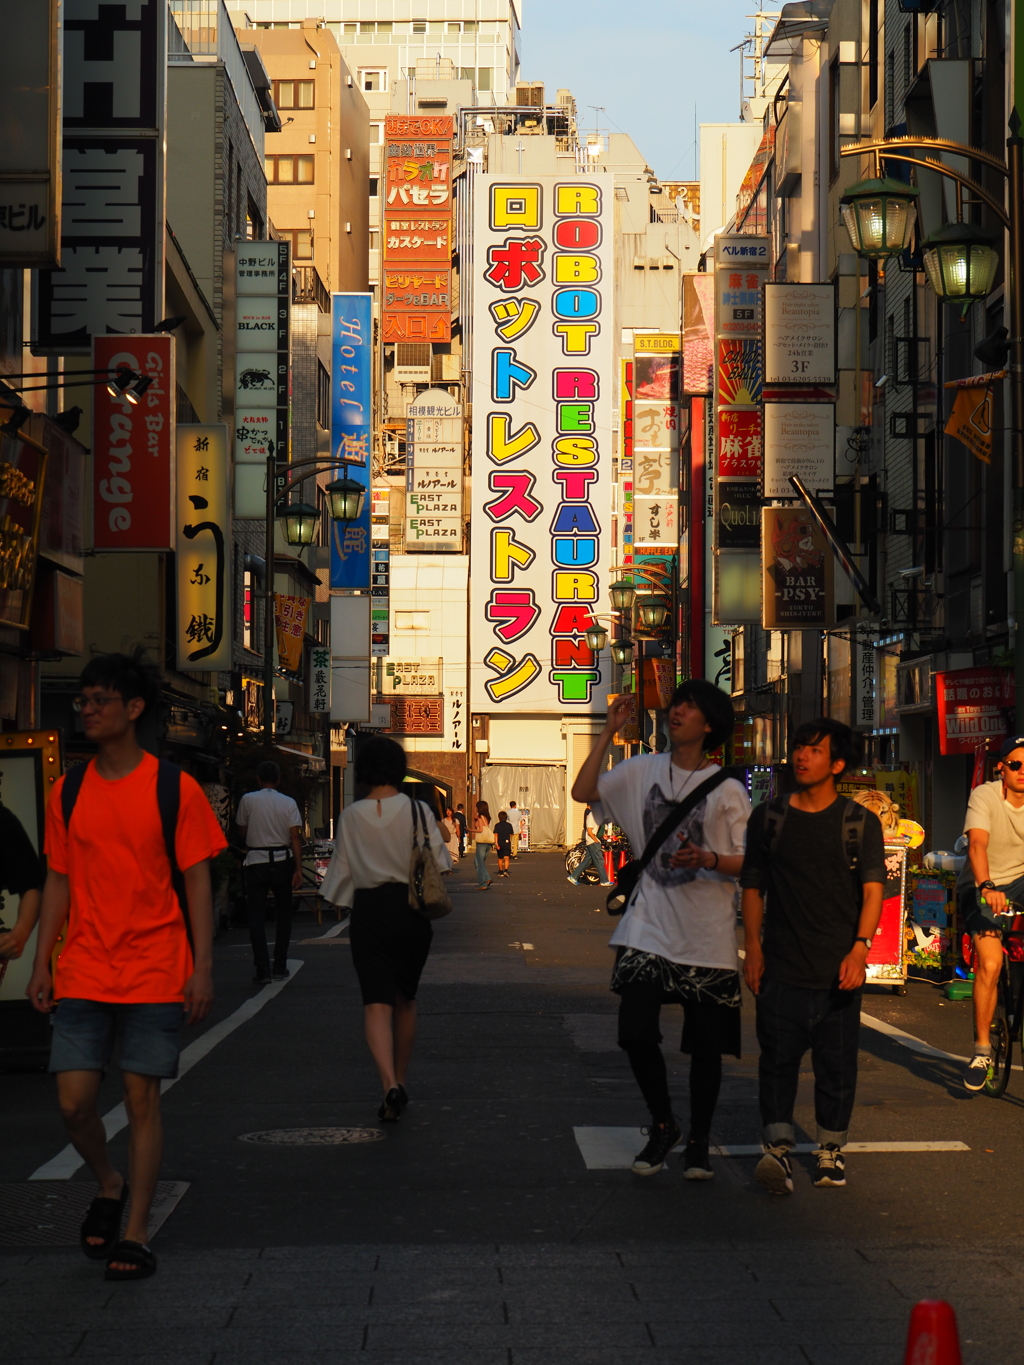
point(390, 943)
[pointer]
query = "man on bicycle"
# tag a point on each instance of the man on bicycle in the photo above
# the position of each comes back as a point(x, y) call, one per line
point(994, 826)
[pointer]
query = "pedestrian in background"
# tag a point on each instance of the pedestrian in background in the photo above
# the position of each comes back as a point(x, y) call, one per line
point(454, 842)
point(22, 875)
point(513, 816)
point(503, 842)
point(137, 959)
point(369, 873)
point(812, 876)
point(483, 837)
point(593, 853)
point(270, 825)
point(460, 820)
point(676, 941)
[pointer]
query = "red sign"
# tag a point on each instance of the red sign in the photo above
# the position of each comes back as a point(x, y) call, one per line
point(132, 447)
point(416, 715)
point(740, 444)
point(417, 296)
point(975, 708)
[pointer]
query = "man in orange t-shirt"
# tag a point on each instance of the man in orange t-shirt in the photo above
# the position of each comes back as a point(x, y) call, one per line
point(131, 966)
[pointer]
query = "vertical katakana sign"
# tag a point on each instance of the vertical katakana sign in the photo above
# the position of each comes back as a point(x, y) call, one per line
point(114, 93)
point(202, 543)
point(417, 275)
point(543, 387)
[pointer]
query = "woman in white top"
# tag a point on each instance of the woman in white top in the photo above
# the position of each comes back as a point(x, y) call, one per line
point(369, 872)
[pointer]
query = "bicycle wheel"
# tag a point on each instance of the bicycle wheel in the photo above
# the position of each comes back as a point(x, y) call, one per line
point(1002, 1043)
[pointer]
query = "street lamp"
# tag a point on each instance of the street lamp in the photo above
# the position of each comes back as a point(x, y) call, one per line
point(622, 595)
point(655, 612)
point(300, 521)
point(879, 216)
point(622, 653)
point(960, 261)
point(345, 498)
point(596, 637)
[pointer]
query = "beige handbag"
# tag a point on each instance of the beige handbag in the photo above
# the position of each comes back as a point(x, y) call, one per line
point(426, 890)
point(485, 836)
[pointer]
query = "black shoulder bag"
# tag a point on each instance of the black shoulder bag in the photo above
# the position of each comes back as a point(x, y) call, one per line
point(630, 873)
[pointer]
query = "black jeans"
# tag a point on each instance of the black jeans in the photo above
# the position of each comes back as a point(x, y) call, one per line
point(791, 1019)
point(277, 879)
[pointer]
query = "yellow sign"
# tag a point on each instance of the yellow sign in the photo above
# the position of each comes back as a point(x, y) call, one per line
point(971, 419)
point(290, 615)
point(664, 342)
point(203, 537)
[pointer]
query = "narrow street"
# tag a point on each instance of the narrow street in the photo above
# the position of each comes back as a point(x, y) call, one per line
point(474, 1230)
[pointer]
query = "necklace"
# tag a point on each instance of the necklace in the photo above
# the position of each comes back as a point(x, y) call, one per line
point(672, 777)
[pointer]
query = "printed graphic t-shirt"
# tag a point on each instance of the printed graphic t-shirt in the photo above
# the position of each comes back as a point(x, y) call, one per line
point(678, 913)
point(126, 938)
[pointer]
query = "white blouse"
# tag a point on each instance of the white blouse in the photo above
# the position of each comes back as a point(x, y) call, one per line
point(372, 844)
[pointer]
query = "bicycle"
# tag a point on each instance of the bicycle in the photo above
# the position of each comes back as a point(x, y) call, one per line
point(1009, 1011)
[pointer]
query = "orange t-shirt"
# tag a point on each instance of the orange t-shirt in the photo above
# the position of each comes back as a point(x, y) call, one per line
point(126, 940)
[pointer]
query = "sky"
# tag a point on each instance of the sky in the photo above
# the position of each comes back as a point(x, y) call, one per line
point(648, 71)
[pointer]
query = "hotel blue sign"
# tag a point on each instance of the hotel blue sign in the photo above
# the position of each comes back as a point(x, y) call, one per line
point(351, 434)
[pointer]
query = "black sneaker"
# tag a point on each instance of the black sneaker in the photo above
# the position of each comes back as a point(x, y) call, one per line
point(281, 973)
point(774, 1170)
point(696, 1165)
point(978, 1071)
point(831, 1165)
point(661, 1138)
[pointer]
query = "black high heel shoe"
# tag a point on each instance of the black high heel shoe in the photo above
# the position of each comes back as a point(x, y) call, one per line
point(403, 1096)
point(391, 1110)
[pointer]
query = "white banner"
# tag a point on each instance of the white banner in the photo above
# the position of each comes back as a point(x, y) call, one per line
point(543, 392)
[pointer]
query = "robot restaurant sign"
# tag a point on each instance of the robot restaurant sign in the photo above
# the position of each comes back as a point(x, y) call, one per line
point(543, 391)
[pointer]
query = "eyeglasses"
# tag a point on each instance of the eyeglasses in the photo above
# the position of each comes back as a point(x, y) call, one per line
point(1014, 764)
point(82, 702)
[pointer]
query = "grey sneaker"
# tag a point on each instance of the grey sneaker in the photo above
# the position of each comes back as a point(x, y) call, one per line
point(831, 1165)
point(774, 1170)
point(978, 1071)
point(661, 1138)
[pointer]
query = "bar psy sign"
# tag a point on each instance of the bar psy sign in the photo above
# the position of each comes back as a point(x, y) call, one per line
point(543, 391)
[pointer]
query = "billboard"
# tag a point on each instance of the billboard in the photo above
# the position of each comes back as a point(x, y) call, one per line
point(797, 590)
point(30, 153)
point(203, 539)
point(416, 280)
point(111, 276)
point(133, 445)
point(351, 431)
point(262, 331)
point(433, 497)
point(543, 387)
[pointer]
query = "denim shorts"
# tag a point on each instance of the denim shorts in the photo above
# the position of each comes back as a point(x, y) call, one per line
point(149, 1036)
point(979, 919)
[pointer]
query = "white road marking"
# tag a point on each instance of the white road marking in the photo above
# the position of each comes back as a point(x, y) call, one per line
point(64, 1165)
point(613, 1149)
point(337, 929)
point(908, 1040)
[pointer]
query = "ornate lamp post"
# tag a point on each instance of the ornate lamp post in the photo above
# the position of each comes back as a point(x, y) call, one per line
point(345, 498)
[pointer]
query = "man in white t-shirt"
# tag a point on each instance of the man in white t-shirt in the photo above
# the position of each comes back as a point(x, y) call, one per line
point(676, 941)
point(271, 826)
point(994, 826)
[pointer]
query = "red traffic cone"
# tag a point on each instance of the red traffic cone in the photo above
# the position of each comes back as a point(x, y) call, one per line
point(932, 1338)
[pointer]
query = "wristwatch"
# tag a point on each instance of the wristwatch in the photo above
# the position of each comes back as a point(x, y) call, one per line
point(986, 886)
point(866, 942)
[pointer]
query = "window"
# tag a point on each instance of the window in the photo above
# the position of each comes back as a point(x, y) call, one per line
point(376, 134)
point(374, 240)
point(290, 170)
point(302, 243)
point(873, 53)
point(484, 78)
point(373, 78)
point(374, 186)
point(412, 620)
point(293, 94)
point(833, 121)
point(323, 396)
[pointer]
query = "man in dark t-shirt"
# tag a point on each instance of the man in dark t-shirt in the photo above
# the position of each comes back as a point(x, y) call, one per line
point(807, 970)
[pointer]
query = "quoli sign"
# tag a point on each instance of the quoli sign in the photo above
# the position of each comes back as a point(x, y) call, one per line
point(132, 443)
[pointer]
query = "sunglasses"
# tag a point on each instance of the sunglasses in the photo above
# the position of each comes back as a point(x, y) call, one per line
point(1014, 764)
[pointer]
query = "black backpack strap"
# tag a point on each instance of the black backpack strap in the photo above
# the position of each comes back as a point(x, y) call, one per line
point(854, 821)
point(73, 779)
point(168, 799)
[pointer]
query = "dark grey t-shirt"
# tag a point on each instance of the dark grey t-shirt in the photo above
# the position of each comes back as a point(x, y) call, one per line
point(812, 902)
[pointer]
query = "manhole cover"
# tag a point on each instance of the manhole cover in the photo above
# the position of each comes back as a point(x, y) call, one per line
point(312, 1137)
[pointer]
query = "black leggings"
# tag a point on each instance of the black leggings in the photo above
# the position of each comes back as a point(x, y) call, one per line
point(640, 1039)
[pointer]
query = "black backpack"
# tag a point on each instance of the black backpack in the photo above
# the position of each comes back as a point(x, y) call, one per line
point(168, 799)
point(854, 821)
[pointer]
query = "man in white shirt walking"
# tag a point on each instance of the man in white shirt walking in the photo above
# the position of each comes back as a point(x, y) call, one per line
point(994, 826)
point(271, 826)
point(676, 941)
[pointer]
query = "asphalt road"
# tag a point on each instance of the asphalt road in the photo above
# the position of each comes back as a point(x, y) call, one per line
point(474, 1230)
